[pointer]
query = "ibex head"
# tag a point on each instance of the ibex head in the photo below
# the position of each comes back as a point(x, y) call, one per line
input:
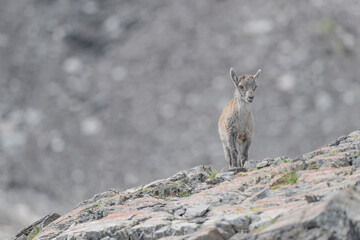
point(245, 84)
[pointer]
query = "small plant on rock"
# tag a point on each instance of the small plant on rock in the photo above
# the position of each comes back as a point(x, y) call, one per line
point(212, 173)
point(288, 179)
point(183, 194)
point(330, 154)
point(312, 166)
point(33, 233)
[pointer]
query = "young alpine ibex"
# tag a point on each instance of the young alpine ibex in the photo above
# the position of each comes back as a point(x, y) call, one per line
point(236, 124)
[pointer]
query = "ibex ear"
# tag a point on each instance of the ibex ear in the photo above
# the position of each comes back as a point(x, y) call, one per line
point(234, 77)
point(257, 74)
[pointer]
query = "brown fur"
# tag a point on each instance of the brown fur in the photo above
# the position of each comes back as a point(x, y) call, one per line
point(236, 123)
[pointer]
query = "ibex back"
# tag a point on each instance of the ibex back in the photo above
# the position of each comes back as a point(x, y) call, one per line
point(236, 124)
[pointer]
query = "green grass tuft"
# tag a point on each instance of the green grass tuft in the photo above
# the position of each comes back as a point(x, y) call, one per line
point(212, 173)
point(183, 194)
point(312, 166)
point(275, 187)
point(330, 154)
point(33, 233)
point(288, 179)
point(146, 189)
point(254, 209)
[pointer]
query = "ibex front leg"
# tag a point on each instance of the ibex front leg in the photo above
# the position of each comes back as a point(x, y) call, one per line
point(244, 150)
point(233, 150)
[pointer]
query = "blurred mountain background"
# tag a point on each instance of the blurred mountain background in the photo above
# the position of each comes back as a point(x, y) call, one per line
point(99, 94)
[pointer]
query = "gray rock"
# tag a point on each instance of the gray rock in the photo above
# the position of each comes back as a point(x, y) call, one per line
point(221, 177)
point(250, 164)
point(178, 176)
point(230, 197)
point(121, 234)
point(240, 222)
point(262, 164)
point(183, 228)
point(262, 223)
point(207, 234)
point(177, 228)
point(355, 134)
point(226, 175)
point(214, 181)
point(313, 198)
point(337, 141)
point(225, 229)
point(337, 219)
point(279, 160)
point(196, 211)
point(36, 226)
point(199, 220)
point(108, 238)
point(238, 236)
point(356, 162)
point(162, 232)
point(179, 212)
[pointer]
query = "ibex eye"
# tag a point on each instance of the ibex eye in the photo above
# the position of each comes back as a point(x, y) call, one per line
point(241, 86)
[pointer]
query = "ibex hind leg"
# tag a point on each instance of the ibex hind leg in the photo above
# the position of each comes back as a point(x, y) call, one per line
point(227, 154)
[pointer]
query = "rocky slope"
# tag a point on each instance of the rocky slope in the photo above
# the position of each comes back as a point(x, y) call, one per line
point(314, 196)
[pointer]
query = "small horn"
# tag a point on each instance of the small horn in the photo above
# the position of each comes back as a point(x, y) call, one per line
point(257, 74)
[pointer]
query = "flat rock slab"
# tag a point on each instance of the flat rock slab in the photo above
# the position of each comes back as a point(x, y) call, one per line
point(196, 211)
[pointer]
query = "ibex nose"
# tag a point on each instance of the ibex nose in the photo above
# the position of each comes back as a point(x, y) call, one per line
point(251, 97)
